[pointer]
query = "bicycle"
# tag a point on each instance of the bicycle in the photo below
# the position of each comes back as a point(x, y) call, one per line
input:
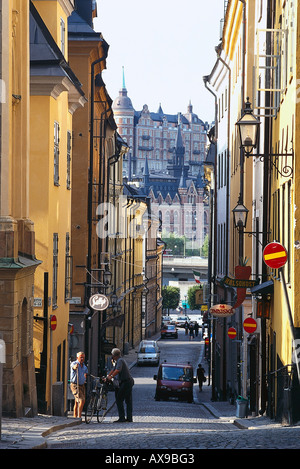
point(98, 402)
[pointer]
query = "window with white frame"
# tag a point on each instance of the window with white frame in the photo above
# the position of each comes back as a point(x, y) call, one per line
point(62, 36)
point(68, 270)
point(55, 270)
point(69, 146)
point(56, 153)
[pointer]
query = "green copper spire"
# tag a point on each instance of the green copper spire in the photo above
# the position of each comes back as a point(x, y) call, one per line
point(124, 87)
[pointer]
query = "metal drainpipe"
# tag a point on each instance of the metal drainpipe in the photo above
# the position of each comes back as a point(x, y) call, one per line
point(91, 169)
point(227, 218)
point(241, 197)
point(228, 142)
point(212, 364)
point(90, 199)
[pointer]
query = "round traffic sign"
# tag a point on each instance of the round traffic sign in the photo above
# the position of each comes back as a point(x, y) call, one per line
point(53, 322)
point(250, 325)
point(275, 255)
point(231, 333)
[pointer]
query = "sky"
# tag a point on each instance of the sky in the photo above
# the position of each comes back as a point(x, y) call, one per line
point(165, 47)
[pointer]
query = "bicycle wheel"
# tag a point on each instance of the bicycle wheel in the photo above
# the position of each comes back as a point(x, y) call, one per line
point(102, 404)
point(90, 408)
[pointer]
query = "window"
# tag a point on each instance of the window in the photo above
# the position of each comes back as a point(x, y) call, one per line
point(56, 153)
point(62, 36)
point(69, 140)
point(55, 270)
point(69, 269)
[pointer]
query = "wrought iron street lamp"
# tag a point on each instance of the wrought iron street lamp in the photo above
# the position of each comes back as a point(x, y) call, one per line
point(240, 215)
point(248, 126)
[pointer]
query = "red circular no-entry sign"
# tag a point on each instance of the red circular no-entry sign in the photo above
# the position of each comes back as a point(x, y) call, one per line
point(231, 333)
point(250, 325)
point(53, 322)
point(275, 255)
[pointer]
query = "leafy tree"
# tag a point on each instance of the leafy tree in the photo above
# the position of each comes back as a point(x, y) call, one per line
point(171, 297)
point(204, 249)
point(174, 242)
point(192, 297)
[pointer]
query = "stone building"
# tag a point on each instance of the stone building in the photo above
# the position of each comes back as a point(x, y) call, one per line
point(165, 159)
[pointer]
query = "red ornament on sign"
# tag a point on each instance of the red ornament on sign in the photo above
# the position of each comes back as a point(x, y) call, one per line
point(275, 255)
point(53, 322)
point(231, 333)
point(250, 325)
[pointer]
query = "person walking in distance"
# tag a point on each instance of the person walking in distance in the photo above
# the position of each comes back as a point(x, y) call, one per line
point(201, 377)
point(124, 391)
point(78, 378)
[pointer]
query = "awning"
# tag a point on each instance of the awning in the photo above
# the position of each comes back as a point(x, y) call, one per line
point(263, 288)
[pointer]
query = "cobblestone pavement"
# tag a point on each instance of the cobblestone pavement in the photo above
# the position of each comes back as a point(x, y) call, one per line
point(202, 425)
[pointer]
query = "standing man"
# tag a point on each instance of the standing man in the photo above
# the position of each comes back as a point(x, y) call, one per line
point(78, 379)
point(124, 392)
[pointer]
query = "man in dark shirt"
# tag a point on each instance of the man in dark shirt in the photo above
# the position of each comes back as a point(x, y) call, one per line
point(124, 392)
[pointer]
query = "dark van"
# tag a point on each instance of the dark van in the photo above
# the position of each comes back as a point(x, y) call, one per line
point(175, 380)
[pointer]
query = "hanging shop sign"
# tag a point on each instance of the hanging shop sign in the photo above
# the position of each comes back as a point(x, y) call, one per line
point(250, 325)
point(239, 283)
point(222, 311)
point(231, 333)
point(241, 272)
point(99, 302)
point(275, 255)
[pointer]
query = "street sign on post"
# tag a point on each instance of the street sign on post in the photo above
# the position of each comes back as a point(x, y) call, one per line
point(275, 255)
point(250, 325)
point(53, 322)
point(231, 333)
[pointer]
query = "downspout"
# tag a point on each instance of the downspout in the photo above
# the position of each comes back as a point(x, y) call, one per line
point(91, 172)
point(228, 144)
point(214, 207)
point(266, 229)
point(227, 215)
point(241, 196)
point(90, 202)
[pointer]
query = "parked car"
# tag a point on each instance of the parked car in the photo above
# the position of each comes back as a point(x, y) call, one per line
point(175, 380)
point(166, 319)
point(181, 320)
point(148, 353)
point(169, 330)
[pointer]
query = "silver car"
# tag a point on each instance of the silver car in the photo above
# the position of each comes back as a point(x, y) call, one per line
point(148, 352)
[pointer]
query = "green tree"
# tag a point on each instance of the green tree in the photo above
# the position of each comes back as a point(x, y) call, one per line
point(174, 242)
point(204, 249)
point(192, 297)
point(171, 297)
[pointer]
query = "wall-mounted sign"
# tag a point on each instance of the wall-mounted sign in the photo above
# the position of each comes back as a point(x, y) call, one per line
point(231, 333)
point(239, 283)
point(53, 322)
point(38, 302)
point(275, 255)
point(222, 311)
point(99, 302)
point(2, 351)
point(250, 325)
point(75, 300)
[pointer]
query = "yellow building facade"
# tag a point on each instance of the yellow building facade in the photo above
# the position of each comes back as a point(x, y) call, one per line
point(55, 94)
point(17, 247)
point(284, 308)
point(257, 59)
